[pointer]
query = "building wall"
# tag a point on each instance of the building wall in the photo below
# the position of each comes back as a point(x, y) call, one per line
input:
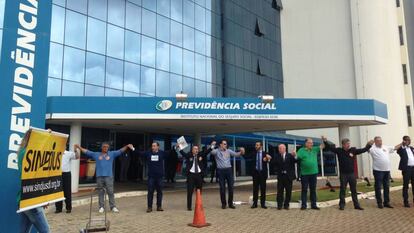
point(407, 12)
point(162, 47)
point(346, 49)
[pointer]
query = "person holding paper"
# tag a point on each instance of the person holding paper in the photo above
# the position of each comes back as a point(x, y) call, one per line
point(194, 170)
point(155, 161)
point(224, 172)
point(259, 173)
point(104, 177)
point(67, 158)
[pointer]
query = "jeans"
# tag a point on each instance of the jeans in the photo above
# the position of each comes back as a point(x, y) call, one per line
point(308, 181)
point(225, 175)
point(34, 217)
point(344, 180)
point(107, 183)
point(382, 180)
point(154, 183)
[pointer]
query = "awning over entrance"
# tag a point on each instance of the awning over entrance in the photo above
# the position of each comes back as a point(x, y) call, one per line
point(213, 115)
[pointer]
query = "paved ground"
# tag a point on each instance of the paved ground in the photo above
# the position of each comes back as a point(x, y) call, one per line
point(175, 218)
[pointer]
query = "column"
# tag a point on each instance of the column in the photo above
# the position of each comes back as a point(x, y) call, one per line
point(343, 130)
point(75, 138)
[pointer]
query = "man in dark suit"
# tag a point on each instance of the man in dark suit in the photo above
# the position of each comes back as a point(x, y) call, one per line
point(259, 173)
point(194, 171)
point(284, 164)
point(406, 166)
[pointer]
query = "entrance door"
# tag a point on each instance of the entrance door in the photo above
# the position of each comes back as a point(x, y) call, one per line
point(130, 164)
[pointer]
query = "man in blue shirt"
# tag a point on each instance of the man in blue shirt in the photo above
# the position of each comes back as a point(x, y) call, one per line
point(155, 162)
point(104, 176)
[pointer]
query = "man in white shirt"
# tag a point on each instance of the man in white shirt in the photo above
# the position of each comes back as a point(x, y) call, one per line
point(67, 158)
point(381, 168)
point(406, 166)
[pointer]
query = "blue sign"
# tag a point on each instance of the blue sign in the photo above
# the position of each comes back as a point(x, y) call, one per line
point(23, 87)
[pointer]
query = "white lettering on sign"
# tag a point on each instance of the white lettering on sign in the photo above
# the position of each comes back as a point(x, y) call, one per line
point(24, 57)
point(224, 106)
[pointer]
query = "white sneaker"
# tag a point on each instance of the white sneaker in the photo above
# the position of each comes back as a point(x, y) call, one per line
point(115, 210)
point(101, 210)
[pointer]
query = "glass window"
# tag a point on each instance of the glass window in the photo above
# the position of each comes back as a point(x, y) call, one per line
point(96, 36)
point(188, 63)
point(176, 60)
point(176, 84)
point(200, 20)
point(163, 28)
point(114, 73)
point(148, 23)
point(74, 64)
point(115, 43)
point(132, 77)
point(72, 89)
point(59, 2)
point(97, 8)
point(163, 7)
point(133, 17)
point(189, 38)
point(200, 67)
point(147, 81)
point(149, 4)
point(148, 51)
point(200, 42)
point(112, 92)
point(201, 2)
point(75, 34)
point(130, 94)
point(138, 2)
point(91, 90)
point(116, 12)
point(163, 84)
point(132, 47)
point(176, 33)
point(76, 5)
point(208, 23)
point(188, 13)
point(95, 69)
point(177, 10)
point(188, 86)
point(209, 46)
point(55, 61)
point(57, 30)
point(209, 70)
point(201, 90)
point(163, 56)
point(54, 86)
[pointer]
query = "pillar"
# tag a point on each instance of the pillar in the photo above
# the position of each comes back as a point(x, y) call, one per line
point(75, 138)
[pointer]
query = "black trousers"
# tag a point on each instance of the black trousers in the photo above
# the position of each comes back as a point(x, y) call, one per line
point(284, 184)
point(346, 179)
point(382, 181)
point(193, 181)
point(67, 192)
point(408, 176)
point(259, 182)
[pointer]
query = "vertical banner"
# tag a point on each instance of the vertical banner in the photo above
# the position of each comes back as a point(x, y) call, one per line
point(40, 162)
point(23, 86)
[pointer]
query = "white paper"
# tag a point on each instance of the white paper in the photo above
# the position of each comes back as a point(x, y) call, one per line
point(182, 143)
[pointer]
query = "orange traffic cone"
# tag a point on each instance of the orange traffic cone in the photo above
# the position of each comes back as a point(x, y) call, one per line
point(199, 217)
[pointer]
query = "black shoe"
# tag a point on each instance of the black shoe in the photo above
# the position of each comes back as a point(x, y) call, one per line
point(407, 205)
point(279, 207)
point(358, 208)
point(286, 207)
point(302, 208)
point(149, 210)
point(160, 209)
point(232, 207)
point(189, 209)
point(341, 208)
point(58, 211)
point(223, 207)
point(388, 206)
point(254, 206)
point(264, 207)
point(380, 206)
point(68, 211)
point(315, 208)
